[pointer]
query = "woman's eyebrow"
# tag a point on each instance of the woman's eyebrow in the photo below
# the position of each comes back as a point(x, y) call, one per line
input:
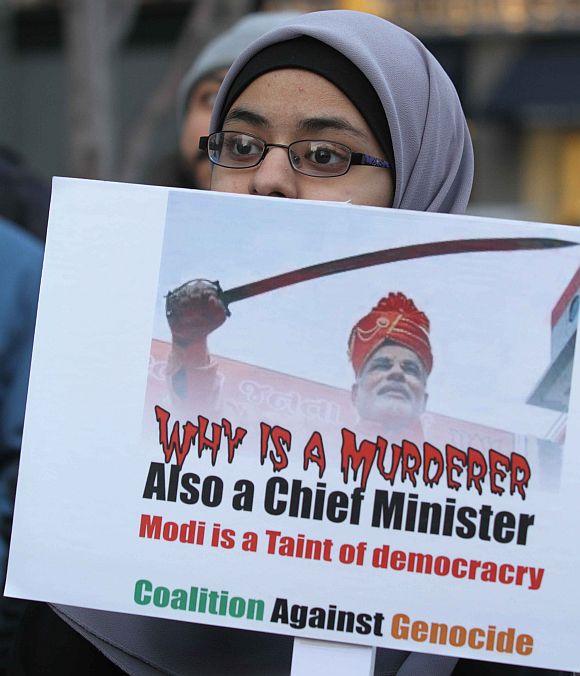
point(248, 116)
point(318, 124)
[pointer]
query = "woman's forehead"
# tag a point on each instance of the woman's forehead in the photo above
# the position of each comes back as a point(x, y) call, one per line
point(298, 99)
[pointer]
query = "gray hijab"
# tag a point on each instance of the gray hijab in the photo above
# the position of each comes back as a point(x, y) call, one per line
point(431, 142)
point(434, 163)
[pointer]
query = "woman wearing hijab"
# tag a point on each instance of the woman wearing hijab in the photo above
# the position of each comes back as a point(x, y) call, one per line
point(375, 71)
point(335, 106)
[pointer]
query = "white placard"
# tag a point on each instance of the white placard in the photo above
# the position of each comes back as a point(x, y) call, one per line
point(263, 535)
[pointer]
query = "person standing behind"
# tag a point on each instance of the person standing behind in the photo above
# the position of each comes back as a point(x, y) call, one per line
point(20, 266)
point(24, 196)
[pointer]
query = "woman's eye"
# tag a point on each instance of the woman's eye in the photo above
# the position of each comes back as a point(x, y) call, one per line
point(326, 155)
point(242, 146)
point(322, 155)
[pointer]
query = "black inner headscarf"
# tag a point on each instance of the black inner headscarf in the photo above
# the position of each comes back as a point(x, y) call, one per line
point(310, 54)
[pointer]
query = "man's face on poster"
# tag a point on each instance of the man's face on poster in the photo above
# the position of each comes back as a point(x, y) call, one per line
point(391, 388)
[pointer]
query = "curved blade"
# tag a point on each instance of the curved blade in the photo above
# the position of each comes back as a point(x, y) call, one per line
point(403, 253)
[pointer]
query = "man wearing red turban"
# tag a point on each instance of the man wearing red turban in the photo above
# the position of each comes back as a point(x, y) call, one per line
point(391, 355)
point(389, 349)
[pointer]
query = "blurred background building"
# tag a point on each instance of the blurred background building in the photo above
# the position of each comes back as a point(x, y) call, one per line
point(87, 88)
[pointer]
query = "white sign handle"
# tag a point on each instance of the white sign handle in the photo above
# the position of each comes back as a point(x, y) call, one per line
point(340, 659)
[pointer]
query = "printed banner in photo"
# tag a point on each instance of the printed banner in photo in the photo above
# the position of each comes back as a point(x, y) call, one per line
point(344, 423)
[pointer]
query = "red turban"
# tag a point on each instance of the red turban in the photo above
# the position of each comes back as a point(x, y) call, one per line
point(394, 318)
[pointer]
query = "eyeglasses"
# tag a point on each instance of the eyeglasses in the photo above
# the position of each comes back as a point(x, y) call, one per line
point(325, 159)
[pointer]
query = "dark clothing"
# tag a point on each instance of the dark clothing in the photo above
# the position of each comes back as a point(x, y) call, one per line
point(47, 645)
point(24, 197)
point(476, 668)
point(20, 265)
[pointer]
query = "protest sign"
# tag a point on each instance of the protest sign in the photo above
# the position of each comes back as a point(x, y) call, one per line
point(360, 426)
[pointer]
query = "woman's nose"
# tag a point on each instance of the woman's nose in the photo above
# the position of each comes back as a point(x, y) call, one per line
point(274, 176)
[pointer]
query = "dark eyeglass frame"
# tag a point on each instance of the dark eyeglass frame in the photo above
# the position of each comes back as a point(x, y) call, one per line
point(355, 159)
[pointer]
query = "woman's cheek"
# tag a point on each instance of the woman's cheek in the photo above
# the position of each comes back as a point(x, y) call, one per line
point(228, 181)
